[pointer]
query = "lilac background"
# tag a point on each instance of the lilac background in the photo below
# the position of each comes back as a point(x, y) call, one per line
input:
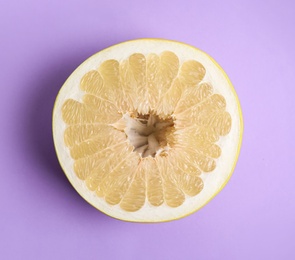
point(42, 42)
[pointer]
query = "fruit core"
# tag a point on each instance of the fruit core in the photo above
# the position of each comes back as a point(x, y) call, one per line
point(150, 134)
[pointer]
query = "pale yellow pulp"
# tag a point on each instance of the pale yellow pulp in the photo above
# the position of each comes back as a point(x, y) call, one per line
point(143, 86)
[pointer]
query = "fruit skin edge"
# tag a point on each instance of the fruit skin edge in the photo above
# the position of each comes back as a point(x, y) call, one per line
point(238, 147)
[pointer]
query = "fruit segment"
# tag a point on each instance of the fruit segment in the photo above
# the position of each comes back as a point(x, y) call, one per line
point(221, 122)
point(154, 181)
point(92, 83)
point(137, 67)
point(193, 96)
point(133, 83)
point(205, 163)
point(73, 112)
point(173, 195)
point(191, 73)
point(119, 180)
point(182, 161)
point(153, 63)
point(109, 71)
point(105, 168)
point(135, 196)
point(76, 134)
point(161, 72)
point(190, 184)
point(167, 72)
point(106, 138)
point(208, 114)
point(107, 112)
point(196, 139)
point(169, 100)
point(103, 160)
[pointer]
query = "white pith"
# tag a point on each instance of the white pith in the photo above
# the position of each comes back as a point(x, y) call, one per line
point(142, 134)
point(229, 144)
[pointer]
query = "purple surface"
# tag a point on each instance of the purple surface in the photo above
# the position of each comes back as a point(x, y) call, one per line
point(42, 217)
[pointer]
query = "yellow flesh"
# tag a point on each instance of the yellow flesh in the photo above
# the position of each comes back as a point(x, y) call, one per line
point(140, 86)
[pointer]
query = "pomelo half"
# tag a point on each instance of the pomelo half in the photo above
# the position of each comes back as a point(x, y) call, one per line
point(148, 130)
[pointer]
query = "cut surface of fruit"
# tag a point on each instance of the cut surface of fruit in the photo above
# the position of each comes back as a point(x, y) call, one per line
point(148, 130)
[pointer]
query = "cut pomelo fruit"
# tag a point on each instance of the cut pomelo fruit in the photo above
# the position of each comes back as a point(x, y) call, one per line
point(148, 130)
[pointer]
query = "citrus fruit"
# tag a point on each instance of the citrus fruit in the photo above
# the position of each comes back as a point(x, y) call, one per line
point(148, 130)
